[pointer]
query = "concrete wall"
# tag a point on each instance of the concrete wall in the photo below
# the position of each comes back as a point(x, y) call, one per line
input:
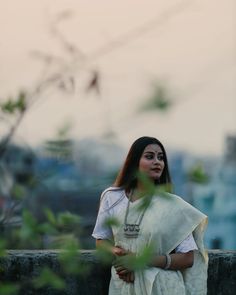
point(24, 265)
point(222, 273)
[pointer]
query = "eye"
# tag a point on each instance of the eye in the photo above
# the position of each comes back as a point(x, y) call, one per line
point(160, 157)
point(149, 156)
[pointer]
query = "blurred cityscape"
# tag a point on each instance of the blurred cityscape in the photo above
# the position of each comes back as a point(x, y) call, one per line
point(69, 176)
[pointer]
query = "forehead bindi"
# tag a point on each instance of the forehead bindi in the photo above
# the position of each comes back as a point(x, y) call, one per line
point(153, 148)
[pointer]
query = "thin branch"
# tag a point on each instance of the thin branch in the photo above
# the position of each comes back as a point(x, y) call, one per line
point(7, 139)
point(105, 49)
point(141, 30)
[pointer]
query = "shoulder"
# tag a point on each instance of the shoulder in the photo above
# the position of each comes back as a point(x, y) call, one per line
point(112, 194)
point(174, 198)
point(170, 198)
point(174, 201)
point(185, 207)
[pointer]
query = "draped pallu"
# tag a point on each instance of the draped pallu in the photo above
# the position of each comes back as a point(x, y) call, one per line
point(168, 220)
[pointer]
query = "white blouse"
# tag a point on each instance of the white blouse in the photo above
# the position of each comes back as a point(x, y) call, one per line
point(109, 208)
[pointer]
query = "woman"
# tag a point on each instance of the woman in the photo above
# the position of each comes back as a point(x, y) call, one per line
point(172, 228)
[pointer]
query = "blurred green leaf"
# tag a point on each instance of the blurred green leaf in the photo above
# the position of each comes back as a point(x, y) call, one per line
point(49, 278)
point(29, 219)
point(69, 256)
point(144, 257)
point(139, 261)
point(8, 106)
point(165, 188)
point(3, 244)
point(21, 102)
point(149, 189)
point(8, 289)
point(60, 240)
point(29, 232)
point(18, 191)
point(48, 229)
point(159, 100)
point(68, 220)
point(112, 221)
point(11, 106)
point(197, 174)
point(104, 252)
point(50, 216)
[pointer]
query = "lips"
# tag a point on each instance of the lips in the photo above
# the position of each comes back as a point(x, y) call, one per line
point(158, 170)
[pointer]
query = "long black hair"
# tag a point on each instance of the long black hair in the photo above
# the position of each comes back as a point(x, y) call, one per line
point(127, 177)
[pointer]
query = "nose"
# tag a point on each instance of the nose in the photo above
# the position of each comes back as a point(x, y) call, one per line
point(156, 160)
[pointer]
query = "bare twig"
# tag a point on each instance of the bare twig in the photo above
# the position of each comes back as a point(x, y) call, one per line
point(76, 54)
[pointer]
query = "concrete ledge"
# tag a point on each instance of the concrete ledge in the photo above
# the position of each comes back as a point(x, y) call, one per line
point(222, 272)
point(21, 266)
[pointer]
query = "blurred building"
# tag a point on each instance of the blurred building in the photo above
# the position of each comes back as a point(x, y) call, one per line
point(218, 200)
point(74, 184)
point(17, 167)
point(20, 162)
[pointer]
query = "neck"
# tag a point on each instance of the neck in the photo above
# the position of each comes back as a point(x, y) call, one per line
point(139, 192)
point(144, 189)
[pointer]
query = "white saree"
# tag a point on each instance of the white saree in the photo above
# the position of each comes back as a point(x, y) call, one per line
point(167, 221)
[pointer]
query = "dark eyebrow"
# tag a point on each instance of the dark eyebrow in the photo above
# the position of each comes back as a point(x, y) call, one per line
point(150, 152)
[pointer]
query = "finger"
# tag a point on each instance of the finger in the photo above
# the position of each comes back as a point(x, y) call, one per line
point(117, 264)
point(119, 251)
point(131, 277)
point(120, 261)
point(125, 278)
point(116, 250)
point(123, 272)
point(119, 268)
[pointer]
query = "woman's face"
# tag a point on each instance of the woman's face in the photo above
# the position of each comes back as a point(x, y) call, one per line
point(152, 161)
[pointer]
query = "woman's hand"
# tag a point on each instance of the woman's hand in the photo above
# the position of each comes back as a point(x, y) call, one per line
point(118, 251)
point(120, 266)
point(128, 277)
point(123, 272)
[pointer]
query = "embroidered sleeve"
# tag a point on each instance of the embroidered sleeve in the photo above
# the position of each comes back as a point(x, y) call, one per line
point(187, 245)
point(101, 229)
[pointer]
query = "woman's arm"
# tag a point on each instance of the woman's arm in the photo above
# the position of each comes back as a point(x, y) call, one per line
point(182, 257)
point(103, 243)
point(178, 261)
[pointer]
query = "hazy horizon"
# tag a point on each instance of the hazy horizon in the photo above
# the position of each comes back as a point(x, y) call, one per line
point(187, 45)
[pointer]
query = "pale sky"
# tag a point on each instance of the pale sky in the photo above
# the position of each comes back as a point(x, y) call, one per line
point(190, 46)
